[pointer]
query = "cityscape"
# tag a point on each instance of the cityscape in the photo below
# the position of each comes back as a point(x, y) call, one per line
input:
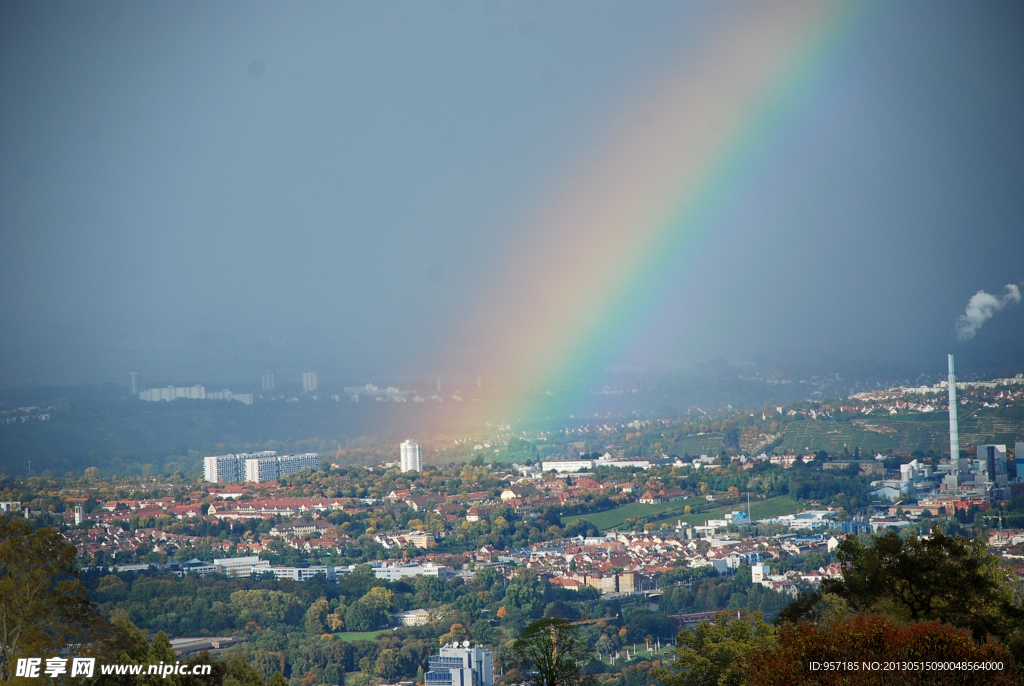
point(505, 343)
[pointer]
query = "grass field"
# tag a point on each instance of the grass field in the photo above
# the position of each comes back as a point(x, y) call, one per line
point(763, 509)
point(611, 519)
point(350, 636)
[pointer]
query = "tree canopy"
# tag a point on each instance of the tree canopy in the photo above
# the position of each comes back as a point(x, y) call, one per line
point(949, 579)
point(715, 652)
point(550, 652)
point(43, 603)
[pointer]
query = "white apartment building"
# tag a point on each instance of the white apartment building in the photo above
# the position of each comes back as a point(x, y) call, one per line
point(309, 382)
point(260, 469)
point(267, 382)
point(173, 393)
point(412, 456)
point(256, 467)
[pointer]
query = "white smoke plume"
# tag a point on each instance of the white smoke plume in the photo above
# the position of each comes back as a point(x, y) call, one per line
point(981, 307)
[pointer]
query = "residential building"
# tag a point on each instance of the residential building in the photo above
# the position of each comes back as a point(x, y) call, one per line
point(309, 383)
point(256, 467)
point(267, 382)
point(134, 383)
point(173, 393)
point(411, 456)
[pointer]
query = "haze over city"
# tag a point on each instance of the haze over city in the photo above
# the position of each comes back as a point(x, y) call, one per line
point(405, 190)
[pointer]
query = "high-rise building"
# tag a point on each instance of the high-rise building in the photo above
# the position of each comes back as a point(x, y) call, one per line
point(134, 383)
point(260, 469)
point(411, 456)
point(309, 382)
point(992, 468)
point(460, 665)
point(1018, 458)
point(268, 381)
point(256, 467)
point(79, 514)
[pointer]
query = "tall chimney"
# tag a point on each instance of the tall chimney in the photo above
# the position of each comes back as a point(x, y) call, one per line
point(954, 431)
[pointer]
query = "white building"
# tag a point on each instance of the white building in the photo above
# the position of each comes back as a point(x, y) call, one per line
point(396, 572)
point(173, 393)
point(267, 382)
point(241, 566)
point(79, 514)
point(303, 573)
point(134, 383)
point(460, 665)
point(309, 382)
point(256, 467)
point(226, 394)
point(412, 456)
point(563, 466)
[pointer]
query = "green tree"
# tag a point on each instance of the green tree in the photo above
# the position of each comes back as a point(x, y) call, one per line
point(315, 619)
point(387, 666)
point(715, 653)
point(43, 603)
point(550, 652)
point(277, 679)
point(240, 672)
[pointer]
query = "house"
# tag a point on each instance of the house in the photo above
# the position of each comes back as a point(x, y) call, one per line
point(475, 514)
point(517, 492)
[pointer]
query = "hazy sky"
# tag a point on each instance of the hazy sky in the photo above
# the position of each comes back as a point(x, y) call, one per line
point(201, 191)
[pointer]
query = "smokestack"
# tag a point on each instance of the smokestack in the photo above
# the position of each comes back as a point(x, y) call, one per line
point(954, 431)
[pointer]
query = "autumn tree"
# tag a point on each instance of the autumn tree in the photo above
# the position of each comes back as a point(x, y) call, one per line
point(862, 640)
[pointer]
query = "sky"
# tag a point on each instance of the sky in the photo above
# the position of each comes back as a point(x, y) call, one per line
point(389, 191)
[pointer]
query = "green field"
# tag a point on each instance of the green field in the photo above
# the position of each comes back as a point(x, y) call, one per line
point(611, 519)
point(350, 636)
point(763, 509)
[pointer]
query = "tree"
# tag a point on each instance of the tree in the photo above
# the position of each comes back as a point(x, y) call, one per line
point(316, 618)
point(946, 578)
point(277, 679)
point(715, 653)
point(864, 640)
point(43, 603)
point(550, 652)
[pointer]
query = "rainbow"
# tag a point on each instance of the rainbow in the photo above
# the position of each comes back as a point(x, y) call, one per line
point(570, 298)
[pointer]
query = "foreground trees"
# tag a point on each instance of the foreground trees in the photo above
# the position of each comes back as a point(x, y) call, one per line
point(43, 604)
point(948, 579)
point(550, 652)
point(879, 650)
point(716, 653)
